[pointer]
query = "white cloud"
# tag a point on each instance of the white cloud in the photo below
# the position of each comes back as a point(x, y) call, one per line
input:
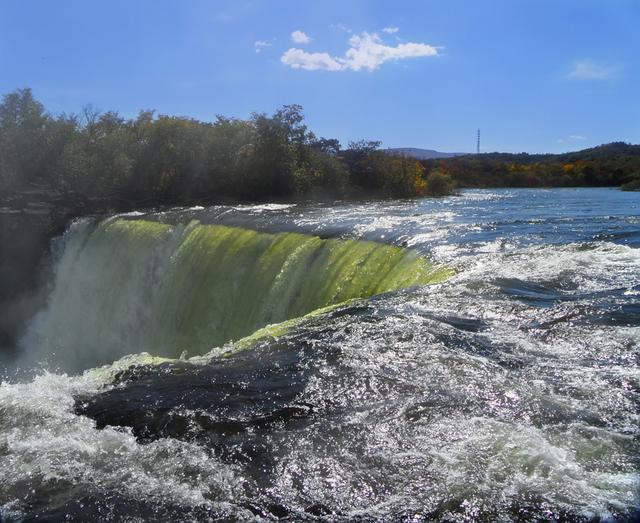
point(259, 45)
point(391, 30)
point(366, 52)
point(299, 37)
point(299, 59)
point(589, 70)
point(577, 137)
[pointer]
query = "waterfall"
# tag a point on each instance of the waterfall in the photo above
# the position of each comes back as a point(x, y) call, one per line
point(127, 286)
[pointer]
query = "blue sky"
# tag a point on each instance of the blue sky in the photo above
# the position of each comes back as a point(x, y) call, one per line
point(535, 76)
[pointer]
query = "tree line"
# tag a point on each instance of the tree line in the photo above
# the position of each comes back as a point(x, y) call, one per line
point(99, 161)
point(609, 165)
point(159, 159)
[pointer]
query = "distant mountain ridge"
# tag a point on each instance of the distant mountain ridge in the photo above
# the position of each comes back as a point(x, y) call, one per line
point(421, 154)
point(607, 151)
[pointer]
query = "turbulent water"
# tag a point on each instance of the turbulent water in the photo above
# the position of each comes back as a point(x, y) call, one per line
point(506, 389)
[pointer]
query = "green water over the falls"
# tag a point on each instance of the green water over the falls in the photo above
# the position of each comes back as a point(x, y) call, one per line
point(129, 286)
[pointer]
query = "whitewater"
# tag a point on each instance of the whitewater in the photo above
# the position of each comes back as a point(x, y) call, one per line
point(472, 358)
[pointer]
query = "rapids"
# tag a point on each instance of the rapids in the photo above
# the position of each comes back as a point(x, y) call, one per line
point(506, 390)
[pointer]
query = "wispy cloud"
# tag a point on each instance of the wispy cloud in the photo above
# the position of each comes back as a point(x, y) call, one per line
point(259, 45)
point(391, 30)
point(572, 138)
point(299, 37)
point(341, 27)
point(590, 70)
point(366, 51)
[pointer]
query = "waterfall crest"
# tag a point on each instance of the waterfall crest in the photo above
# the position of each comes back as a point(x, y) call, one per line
point(128, 286)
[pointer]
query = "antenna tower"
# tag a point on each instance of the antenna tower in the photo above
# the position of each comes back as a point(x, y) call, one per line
point(478, 144)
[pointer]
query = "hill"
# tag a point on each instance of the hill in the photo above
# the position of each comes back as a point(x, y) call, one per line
point(421, 154)
point(605, 151)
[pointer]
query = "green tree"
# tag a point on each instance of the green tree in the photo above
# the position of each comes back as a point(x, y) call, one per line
point(23, 124)
point(438, 183)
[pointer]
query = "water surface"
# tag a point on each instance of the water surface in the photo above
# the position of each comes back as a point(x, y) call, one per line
point(508, 392)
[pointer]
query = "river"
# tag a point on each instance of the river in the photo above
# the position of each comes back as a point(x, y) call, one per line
point(471, 358)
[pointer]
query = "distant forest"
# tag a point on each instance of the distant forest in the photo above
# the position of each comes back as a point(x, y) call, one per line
point(99, 160)
point(609, 165)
